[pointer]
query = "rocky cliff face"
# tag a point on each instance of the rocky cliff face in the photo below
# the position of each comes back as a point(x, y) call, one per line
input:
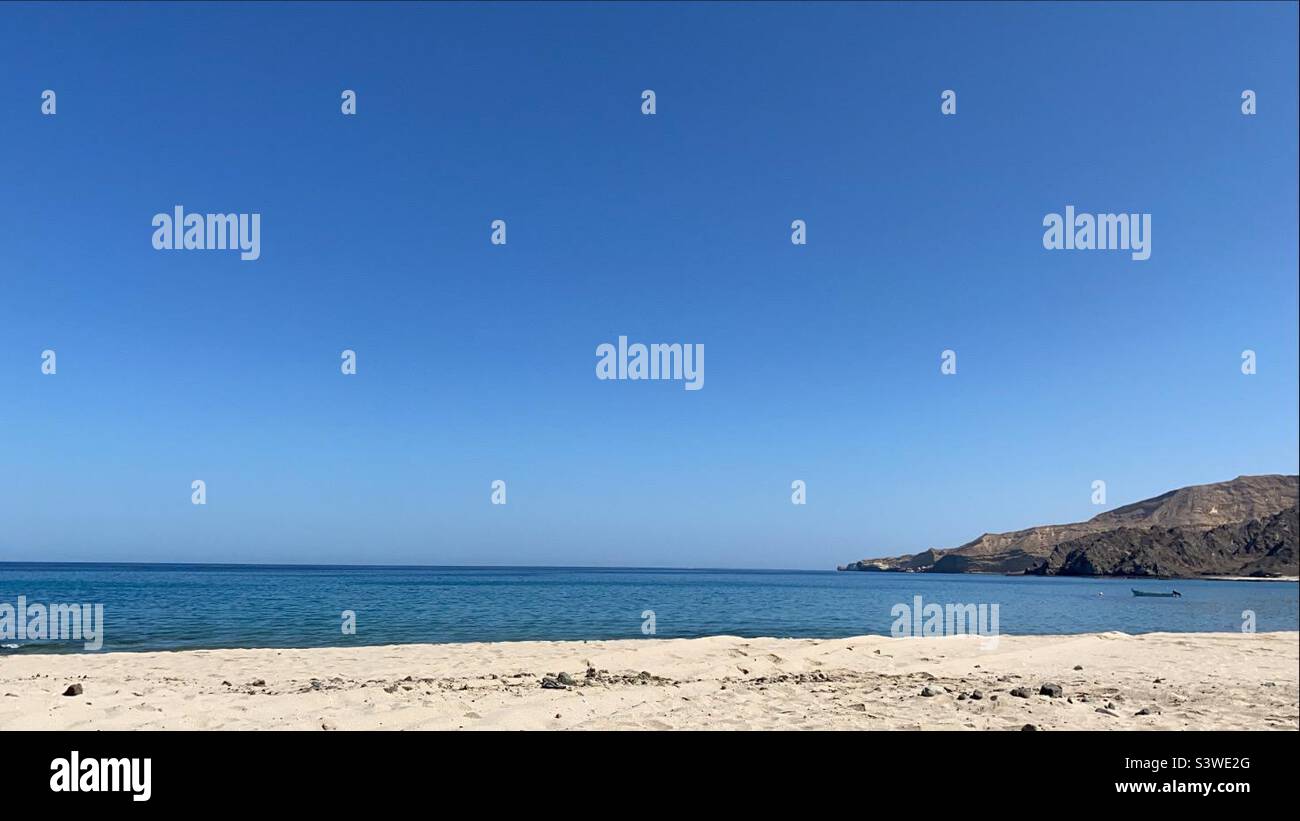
point(1256, 547)
point(1193, 509)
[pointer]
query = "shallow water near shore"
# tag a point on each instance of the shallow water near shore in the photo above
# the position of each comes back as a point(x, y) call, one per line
point(170, 607)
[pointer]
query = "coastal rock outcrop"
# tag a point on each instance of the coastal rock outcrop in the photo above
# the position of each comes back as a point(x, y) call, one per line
point(1258, 547)
point(1212, 529)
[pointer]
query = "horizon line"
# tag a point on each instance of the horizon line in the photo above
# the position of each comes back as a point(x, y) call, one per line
point(427, 566)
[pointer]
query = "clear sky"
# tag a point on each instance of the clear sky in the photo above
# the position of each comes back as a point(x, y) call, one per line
point(477, 362)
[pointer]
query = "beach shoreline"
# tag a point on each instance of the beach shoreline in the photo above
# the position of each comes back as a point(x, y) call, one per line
point(1168, 681)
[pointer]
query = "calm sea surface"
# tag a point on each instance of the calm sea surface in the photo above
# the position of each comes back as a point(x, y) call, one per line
point(162, 607)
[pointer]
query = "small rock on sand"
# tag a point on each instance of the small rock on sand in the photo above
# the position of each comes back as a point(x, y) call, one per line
point(73, 690)
point(1053, 690)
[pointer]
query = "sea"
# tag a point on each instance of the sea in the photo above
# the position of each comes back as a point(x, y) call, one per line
point(191, 606)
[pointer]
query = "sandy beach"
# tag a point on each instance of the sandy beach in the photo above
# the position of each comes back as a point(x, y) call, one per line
point(1181, 681)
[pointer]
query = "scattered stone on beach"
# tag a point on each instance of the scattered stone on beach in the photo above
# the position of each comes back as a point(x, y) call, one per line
point(326, 725)
point(257, 682)
point(591, 672)
point(549, 683)
point(976, 695)
point(928, 692)
point(73, 690)
point(1078, 666)
point(1028, 727)
point(1052, 690)
point(961, 697)
point(566, 679)
point(1021, 692)
point(1148, 711)
point(1106, 712)
point(1158, 681)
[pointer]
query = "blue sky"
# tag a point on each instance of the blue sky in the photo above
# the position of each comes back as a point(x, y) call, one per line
point(476, 362)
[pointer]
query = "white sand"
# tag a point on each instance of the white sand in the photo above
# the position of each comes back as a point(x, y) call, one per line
point(1188, 680)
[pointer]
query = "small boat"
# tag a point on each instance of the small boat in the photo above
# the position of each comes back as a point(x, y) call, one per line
point(1171, 595)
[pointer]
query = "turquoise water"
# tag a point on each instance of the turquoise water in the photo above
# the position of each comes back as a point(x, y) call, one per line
point(160, 607)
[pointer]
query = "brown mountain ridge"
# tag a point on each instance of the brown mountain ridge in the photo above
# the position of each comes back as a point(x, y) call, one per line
point(1179, 533)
